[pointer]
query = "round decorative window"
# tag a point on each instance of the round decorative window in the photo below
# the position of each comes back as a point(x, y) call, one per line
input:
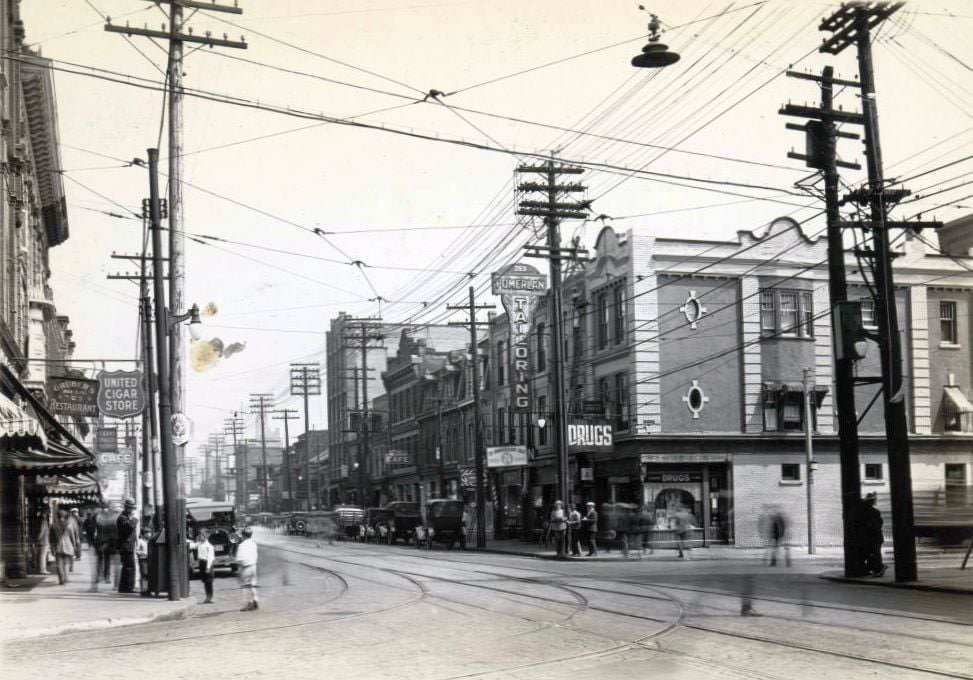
point(692, 309)
point(695, 399)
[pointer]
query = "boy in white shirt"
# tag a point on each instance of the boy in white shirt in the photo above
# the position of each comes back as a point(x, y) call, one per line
point(205, 557)
point(246, 559)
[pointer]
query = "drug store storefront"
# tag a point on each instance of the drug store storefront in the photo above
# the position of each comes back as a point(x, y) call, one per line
point(700, 482)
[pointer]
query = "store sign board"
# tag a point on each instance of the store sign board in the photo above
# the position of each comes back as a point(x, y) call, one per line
point(519, 287)
point(674, 477)
point(506, 456)
point(121, 394)
point(684, 458)
point(590, 436)
point(396, 457)
point(106, 439)
point(73, 397)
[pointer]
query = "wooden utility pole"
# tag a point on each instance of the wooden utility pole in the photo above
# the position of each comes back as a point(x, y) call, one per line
point(479, 452)
point(306, 382)
point(369, 332)
point(851, 25)
point(177, 238)
point(287, 415)
point(261, 402)
point(553, 209)
point(234, 427)
point(821, 136)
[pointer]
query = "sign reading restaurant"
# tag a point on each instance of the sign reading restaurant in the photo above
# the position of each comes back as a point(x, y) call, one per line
point(519, 286)
point(73, 397)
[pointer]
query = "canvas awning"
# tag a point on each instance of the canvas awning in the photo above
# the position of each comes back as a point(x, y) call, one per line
point(956, 401)
point(74, 486)
point(45, 446)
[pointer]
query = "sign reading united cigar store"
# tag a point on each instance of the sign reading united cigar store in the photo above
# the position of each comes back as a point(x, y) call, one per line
point(519, 287)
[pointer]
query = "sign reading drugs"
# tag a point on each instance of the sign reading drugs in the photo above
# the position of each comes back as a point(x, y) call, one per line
point(519, 287)
point(120, 394)
point(590, 436)
point(73, 397)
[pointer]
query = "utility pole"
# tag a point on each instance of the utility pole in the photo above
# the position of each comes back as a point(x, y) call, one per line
point(821, 136)
point(306, 382)
point(810, 465)
point(216, 444)
point(369, 330)
point(478, 451)
point(553, 210)
point(175, 529)
point(261, 402)
point(851, 25)
point(177, 238)
point(234, 427)
point(287, 415)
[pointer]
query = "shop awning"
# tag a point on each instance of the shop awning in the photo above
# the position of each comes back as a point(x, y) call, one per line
point(18, 427)
point(77, 486)
point(956, 401)
point(819, 390)
point(52, 449)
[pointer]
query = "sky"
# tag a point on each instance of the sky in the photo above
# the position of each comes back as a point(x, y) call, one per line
point(408, 219)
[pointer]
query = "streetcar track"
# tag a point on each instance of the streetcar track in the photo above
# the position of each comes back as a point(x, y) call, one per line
point(680, 622)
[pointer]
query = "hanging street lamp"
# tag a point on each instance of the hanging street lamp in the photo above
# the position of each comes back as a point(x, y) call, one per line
point(655, 54)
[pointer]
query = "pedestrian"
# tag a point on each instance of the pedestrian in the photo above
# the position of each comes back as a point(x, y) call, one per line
point(127, 533)
point(775, 525)
point(869, 532)
point(574, 532)
point(44, 554)
point(66, 542)
point(142, 555)
point(559, 525)
point(106, 535)
point(246, 559)
point(589, 527)
point(88, 528)
point(205, 559)
point(682, 523)
point(645, 524)
point(75, 520)
point(746, 597)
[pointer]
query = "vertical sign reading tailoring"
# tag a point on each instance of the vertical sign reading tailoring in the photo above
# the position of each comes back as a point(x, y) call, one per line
point(519, 287)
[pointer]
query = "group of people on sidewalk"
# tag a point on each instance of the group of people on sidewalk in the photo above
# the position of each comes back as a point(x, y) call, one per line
point(631, 528)
point(107, 532)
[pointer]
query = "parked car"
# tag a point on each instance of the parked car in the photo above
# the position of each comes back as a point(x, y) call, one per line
point(401, 519)
point(297, 524)
point(445, 523)
point(220, 519)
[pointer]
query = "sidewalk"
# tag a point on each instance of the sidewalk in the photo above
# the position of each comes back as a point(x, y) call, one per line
point(711, 552)
point(945, 579)
point(38, 606)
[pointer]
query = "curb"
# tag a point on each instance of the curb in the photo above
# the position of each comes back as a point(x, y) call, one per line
point(182, 612)
point(910, 585)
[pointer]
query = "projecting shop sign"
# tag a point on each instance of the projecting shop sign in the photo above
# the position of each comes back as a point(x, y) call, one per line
point(519, 286)
point(589, 436)
point(120, 394)
point(506, 456)
point(73, 397)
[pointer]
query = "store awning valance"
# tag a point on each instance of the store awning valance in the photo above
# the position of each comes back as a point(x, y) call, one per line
point(19, 426)
point(956, 401)
point(82, 486)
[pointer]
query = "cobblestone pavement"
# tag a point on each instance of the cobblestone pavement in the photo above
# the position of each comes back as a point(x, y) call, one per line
point(366, 611)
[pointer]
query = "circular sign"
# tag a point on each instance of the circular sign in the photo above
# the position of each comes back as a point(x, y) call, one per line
point(181, 428)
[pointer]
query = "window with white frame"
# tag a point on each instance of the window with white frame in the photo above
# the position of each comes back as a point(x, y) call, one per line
point(947, 322)
point(869, 320)
point(787, 313)
point(790, 472)
point(874, 472)
point(768, 312)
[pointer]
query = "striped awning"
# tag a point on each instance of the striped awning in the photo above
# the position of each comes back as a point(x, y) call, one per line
point(18, 425)
point(956, 401)
point(77, 486)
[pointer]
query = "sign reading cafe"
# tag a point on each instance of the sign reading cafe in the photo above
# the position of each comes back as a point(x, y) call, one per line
point(519, 287)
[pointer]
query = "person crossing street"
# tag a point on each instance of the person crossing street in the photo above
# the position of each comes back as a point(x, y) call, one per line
point(205, 558)
point(246, 559)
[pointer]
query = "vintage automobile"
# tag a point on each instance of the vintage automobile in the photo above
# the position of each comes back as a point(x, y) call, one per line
point(219, 518)
point(297, 524)
point(445, 522)
point(401, 520)
point(374, 526)
point(347, 520)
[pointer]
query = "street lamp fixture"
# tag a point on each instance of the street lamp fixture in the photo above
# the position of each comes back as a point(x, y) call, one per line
point(195, 324)
point(655, 54)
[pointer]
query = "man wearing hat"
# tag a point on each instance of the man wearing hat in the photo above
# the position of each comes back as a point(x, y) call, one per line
point(870, 535)
point(127, 526)
point(589, 527)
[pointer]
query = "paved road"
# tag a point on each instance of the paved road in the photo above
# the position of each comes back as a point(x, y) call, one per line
point(364, 611)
